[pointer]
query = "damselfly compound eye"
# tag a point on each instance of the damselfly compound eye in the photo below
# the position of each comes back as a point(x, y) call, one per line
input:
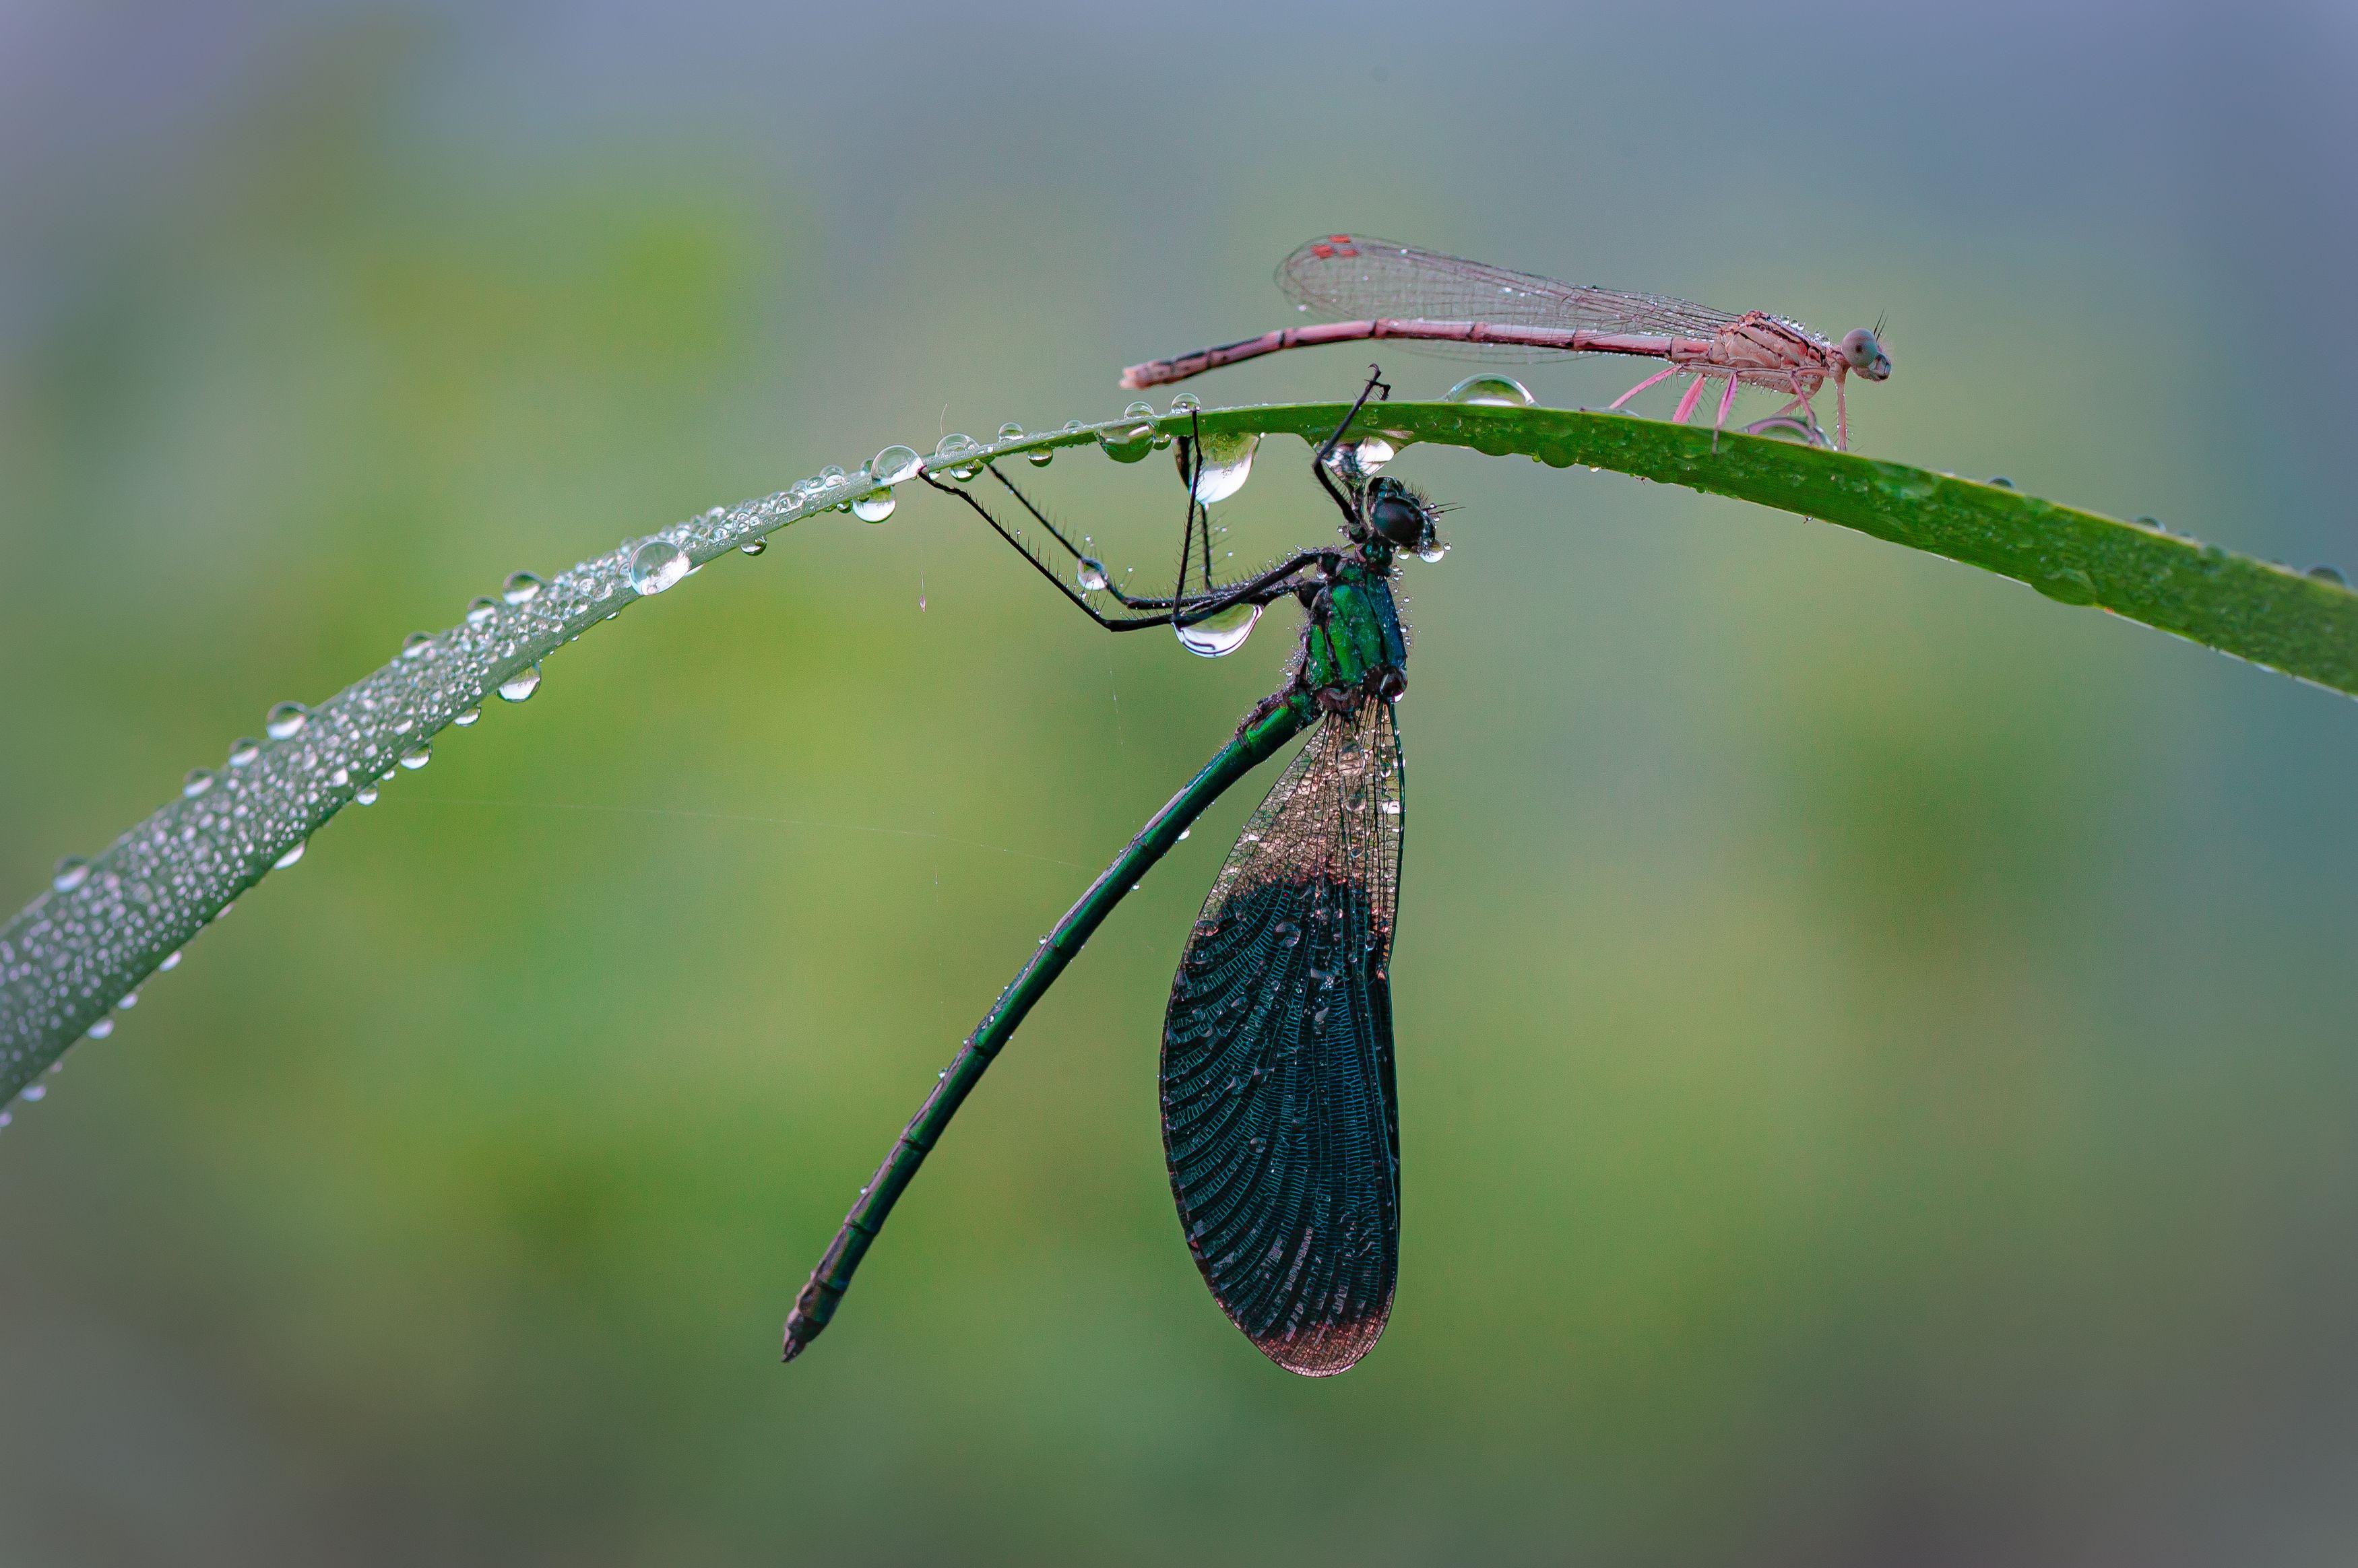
point(1859, 347)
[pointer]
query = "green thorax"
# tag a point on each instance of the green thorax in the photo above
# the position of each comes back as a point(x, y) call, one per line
point(1353, 639)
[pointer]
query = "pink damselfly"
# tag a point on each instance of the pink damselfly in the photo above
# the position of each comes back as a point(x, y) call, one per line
point(1375, 289)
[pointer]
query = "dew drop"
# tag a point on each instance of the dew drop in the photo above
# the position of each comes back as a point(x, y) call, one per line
point(417, 645)
point(1185, 403)
point(35, 1092)
point(1391, 808)
point(417, 756)
point(295, 853)
point(1432, 552)
point(873, 507)
point(1185, 831)
point(130, 1000)
point(286, 721)
point(2000, 481)
point(1489, 392)
point(951, 448)
point(2329, 574)
point(172, 962)
point(753, 546)
point(101, 1029)
point(522, 588)
point(893, 464)
point(1010, 431)
point(1222, 634)
point(199, 781)
point(1092, 575)
point(365, 794)
point(1041, 458)
point(1227, 463)
point(656, 565)
point(70, 873)
point(480, 611)
point(521, 685)
point(243, 750)
point(466, 716)
point(1130, 438)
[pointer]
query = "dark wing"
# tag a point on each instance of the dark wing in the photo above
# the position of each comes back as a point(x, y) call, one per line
point(1280, 1120)
point(1352, 278)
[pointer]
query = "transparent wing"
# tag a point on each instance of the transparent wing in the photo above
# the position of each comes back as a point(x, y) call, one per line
point(1280, 1120)
point(1354, 277)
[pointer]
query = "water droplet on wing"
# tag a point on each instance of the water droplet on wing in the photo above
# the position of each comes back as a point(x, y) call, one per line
point(290, 858)
point(1092, 575)
point(243, 750)
point(199, 781)
point(70, 873)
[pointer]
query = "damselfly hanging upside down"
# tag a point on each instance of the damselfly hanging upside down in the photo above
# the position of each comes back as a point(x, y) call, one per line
point(1278, 1119)
point(1375, 289)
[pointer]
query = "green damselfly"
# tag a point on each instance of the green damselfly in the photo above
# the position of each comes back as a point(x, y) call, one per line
point(1279, 1121)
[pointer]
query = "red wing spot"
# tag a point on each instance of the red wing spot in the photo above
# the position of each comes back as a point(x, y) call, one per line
point(1340, 239)
point(1345, 251)
point(1323, 252)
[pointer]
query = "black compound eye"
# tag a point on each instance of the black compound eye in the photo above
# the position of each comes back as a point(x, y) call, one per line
point(1398, 519)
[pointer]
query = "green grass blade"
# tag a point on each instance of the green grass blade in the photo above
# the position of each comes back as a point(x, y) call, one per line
point(69, 956)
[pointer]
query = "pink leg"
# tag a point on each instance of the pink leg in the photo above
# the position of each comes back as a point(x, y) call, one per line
point(1726, 402)
point(1687, 403)
point(1802, 399)
point(1842, 419)
point(1661, 375)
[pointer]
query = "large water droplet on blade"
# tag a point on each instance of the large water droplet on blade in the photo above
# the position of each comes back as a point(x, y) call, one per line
point(1091, 575)
point(417, 645)
point(1010, 431)
point(521, 685)
point(893, 464)
point(481, 610)
point(365, 794)
point(753, 546)
point(873, 507)
point(72, 873)
point(199, 781)
point(286, 721)
point(950, 450)
point(290, 858)
point(417, 756)
point(466, 716)
point(522, 588)
point(1490, 390)
point(656, 565)
point(1222, 634)
point(243, 750)
point(1130, 438)
point(1227, 463)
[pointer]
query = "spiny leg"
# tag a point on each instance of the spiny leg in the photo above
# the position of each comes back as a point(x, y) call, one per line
point(1325, 454)
point(1659, 376)
point(1687, 403)
point(1254, 744)
point(1726, 402)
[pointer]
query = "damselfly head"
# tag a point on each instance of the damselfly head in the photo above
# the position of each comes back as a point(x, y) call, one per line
point(1865, 354)
point(1400, 516)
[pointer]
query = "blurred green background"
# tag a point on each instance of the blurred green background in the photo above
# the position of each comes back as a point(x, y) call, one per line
point(1875, 1057)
